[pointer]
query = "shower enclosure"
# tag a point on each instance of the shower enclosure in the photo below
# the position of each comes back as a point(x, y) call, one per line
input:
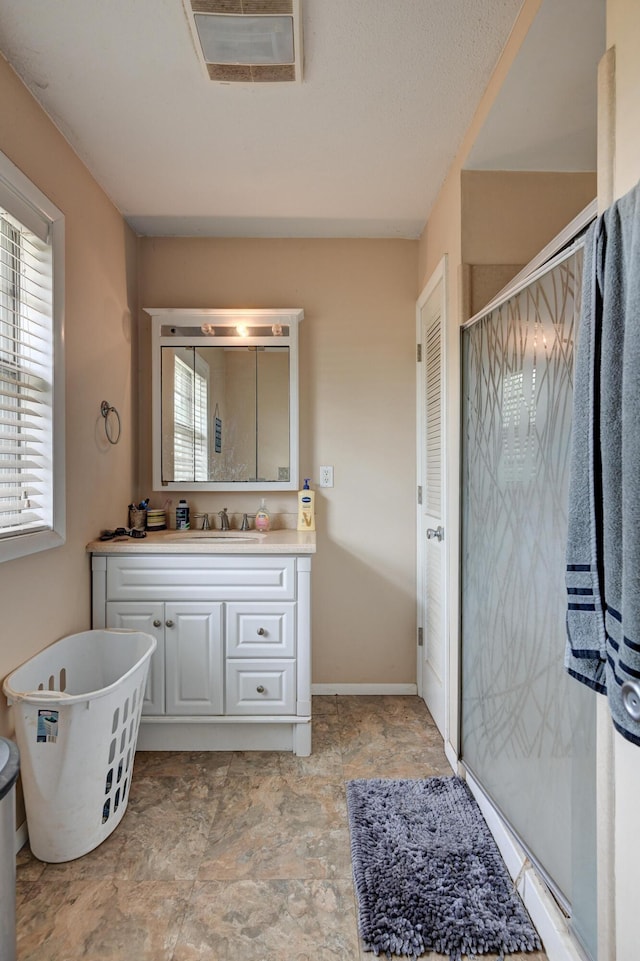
point(528, 729)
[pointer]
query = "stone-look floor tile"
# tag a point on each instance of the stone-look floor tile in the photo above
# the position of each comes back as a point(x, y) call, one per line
point(389, 766)
point(164, 832)
point(382, 745)
point(394, 727)
point(105, 920)
point(324, 704)
point(181, 763)
point(245, 763)
point(269, 921)
point(100, 863)
point(385, 704)
point(276, 827)
point(325, 759)
point(28, 868)
point(265, 833)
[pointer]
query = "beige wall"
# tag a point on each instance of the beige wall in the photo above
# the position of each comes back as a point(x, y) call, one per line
point(47, 595)
point(357, 397)
point(509, 216)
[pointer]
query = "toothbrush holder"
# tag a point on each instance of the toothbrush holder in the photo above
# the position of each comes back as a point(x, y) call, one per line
point(137, 519)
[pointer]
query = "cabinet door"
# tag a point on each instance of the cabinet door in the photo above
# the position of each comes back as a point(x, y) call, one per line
point(149, 618)
point(193, 658)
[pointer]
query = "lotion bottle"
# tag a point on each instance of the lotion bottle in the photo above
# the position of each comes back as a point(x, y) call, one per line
point(306, 508)
point(263, 518)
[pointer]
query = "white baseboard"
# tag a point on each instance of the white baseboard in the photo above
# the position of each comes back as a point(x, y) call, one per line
point(549, 921)
point(364, 689)
point(451, 756)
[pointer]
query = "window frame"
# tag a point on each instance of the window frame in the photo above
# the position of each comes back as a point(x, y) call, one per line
point(26, 202)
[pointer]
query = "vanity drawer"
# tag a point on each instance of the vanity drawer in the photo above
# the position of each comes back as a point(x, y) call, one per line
point(261, 687)
point(261, 630)
point(213, 578)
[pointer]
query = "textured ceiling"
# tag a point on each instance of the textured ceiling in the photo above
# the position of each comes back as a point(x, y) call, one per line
point(360, 148)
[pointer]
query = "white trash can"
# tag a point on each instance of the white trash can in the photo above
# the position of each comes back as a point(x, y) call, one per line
point(76, 708)
point(9, 767)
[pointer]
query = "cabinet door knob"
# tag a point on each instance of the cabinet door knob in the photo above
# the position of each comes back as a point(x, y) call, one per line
point(157, 623)
point(260, 689)
point(169, 623)
point(261, 631)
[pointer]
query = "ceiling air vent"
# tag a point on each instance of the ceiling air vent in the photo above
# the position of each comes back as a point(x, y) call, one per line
point(248, 41)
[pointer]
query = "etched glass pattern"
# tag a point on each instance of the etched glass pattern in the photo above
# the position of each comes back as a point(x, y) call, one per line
point(528, 729)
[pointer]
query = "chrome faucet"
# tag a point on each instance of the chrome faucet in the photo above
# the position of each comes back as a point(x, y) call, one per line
point(224, 519)
point(246, 526)
point(205, 523)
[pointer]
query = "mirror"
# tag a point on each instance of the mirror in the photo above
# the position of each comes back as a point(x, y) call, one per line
point(225, 405)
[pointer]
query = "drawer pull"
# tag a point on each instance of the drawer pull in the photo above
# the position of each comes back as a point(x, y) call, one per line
point(169, 623)
point(260, 689)
point(261, 631)
point(157, 623)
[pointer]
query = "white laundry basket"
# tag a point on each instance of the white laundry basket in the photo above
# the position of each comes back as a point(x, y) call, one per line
point(76, 708)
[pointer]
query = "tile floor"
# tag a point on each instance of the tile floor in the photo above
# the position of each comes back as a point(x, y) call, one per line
point(236, 856)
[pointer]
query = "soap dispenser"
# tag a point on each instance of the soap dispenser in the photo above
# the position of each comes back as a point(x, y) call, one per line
point(263, 518)
point(306, 508)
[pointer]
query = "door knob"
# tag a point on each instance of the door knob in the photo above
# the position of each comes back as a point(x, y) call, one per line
point(437, 532)
point(169, 623)
point(261, 631)
point(260, 689)
point(157, 623)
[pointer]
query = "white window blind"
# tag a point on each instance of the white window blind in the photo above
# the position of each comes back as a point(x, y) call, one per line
point(26, 378)
point(190, 453)
point(32, 494)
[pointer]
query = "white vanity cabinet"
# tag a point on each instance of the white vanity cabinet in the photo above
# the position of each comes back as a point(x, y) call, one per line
point(232, 667)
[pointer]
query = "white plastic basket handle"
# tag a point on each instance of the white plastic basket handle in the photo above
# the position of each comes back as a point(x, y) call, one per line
point(39, 695)
point(46, 694)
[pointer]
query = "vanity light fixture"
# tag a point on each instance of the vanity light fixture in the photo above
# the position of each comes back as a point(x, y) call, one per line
point(247, 41)
point(243, 330)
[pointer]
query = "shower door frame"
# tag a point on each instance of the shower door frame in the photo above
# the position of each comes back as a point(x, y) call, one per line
point(539, 900)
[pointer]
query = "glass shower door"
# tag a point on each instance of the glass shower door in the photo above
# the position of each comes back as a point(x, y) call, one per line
point(528, 729)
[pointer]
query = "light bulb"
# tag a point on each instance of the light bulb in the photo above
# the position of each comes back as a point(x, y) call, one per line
point(208, 329)
point(242, 330)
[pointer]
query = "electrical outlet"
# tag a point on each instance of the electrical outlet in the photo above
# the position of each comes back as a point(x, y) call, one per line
point(326, 477)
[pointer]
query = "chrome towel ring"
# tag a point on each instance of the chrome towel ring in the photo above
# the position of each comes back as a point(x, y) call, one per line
point(105, 409)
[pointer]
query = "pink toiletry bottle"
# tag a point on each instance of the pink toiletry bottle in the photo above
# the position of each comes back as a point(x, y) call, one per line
point(263, 518)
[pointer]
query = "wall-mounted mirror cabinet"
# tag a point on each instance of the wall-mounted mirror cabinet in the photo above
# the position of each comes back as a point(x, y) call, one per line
point(225, 399)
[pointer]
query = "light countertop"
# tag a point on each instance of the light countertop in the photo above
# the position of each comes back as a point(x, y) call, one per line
point(209, 542)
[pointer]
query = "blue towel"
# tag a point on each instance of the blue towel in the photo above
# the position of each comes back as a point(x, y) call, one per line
point(603, 544)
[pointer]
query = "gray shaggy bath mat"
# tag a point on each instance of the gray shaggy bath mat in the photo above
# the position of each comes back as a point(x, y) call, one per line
point(428, 874)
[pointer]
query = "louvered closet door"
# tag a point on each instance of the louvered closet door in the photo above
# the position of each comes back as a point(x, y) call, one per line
point(433, 660)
